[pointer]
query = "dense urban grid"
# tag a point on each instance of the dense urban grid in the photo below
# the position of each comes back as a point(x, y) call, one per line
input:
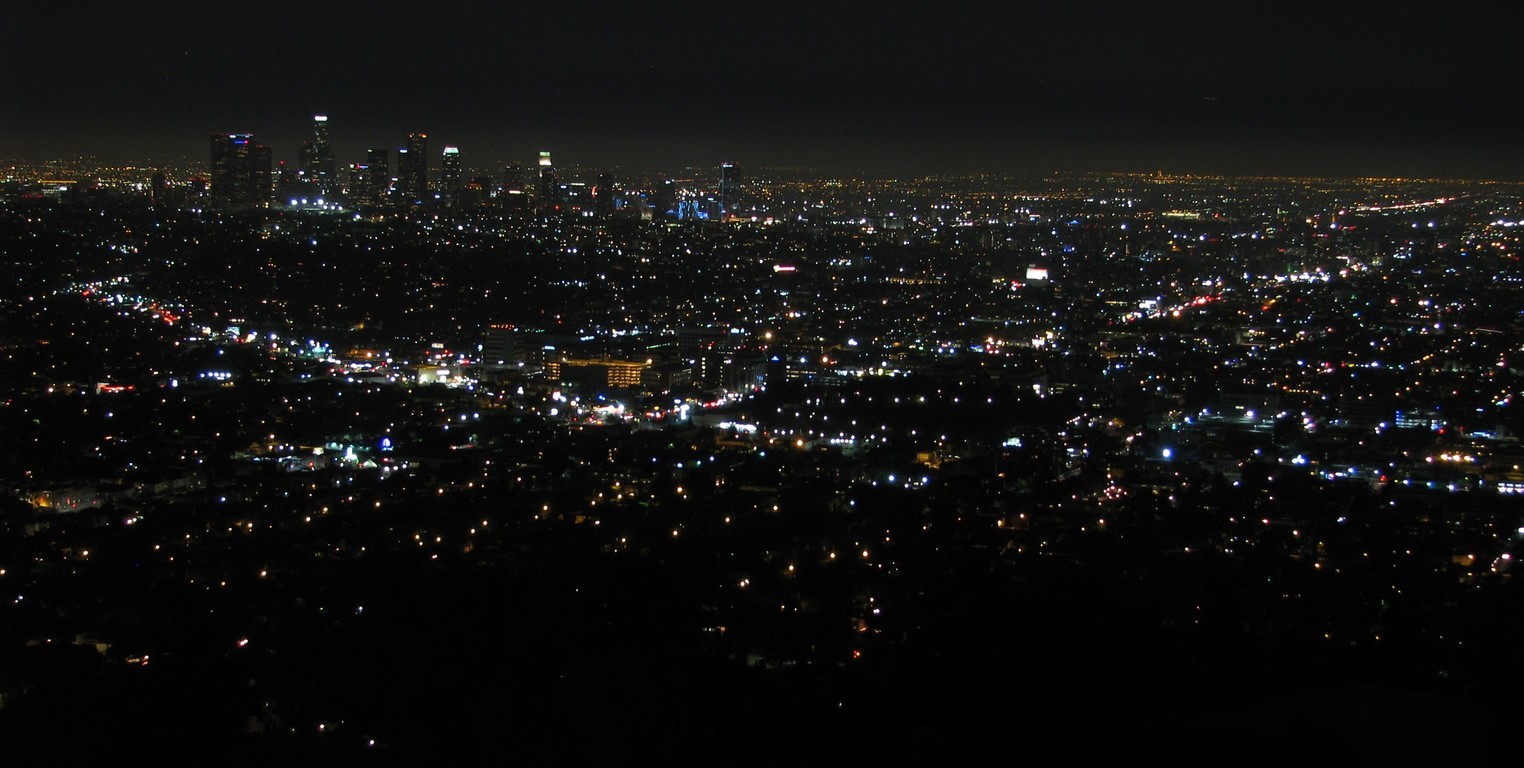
point(408, 459)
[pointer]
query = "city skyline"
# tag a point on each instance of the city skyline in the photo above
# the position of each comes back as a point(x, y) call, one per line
point(417, 384)
point(712, 468)
point(1286, 91)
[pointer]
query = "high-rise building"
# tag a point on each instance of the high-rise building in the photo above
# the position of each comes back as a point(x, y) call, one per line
point(158, 188)
point(318, 165)
point(476, 192)
point(357, 182)
point(402, 180)
point(449, 173)
point(513, 178)
point(603, 195)
point(260, 169)
point(287, 186)
point(379, 181)
point(730, 189)
point(320, 136)
point(664, 201)
point(548, 193)
point(413, 168)
point(514, 191)
point(240, 170)
point(231, 160)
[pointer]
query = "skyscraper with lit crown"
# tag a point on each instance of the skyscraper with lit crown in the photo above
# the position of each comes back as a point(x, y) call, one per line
point(730, 189)
point(449, 173)
point(547, 193)
point(318, 165)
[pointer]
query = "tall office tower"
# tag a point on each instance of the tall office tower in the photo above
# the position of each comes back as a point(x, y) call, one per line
point(476, 192)
point(730, 189)
point(513, 193)
point(449, 173)
point(418, 162)
point(320, 136)
point(603, 196)
point(230, 162)
point(413, 167)
point(240, 170)
point(378, 170)
point(158, 188)
point(664, 201)
point(513, 178)
point(261, 170)
point(400, 187)
point(548, 194)
point(318, 165)
point(286, 186)
point(357, 182)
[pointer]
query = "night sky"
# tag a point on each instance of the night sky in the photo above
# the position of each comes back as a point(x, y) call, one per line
point(1271, 88)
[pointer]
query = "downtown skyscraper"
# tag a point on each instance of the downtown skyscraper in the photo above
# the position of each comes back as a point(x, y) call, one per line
point(240, 170)
point(317, 162)
point(450, 173)
point(413, 168)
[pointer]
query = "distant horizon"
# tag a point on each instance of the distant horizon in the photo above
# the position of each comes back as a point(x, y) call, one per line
point(1345, 90)
point(579, 153)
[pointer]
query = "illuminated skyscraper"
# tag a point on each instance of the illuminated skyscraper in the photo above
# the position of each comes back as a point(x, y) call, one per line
point(240, 170)
point(400, 187)
point(449, 173)
point(730, 188)
point(318, 165)
point(320, 135)
point(549, 197)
